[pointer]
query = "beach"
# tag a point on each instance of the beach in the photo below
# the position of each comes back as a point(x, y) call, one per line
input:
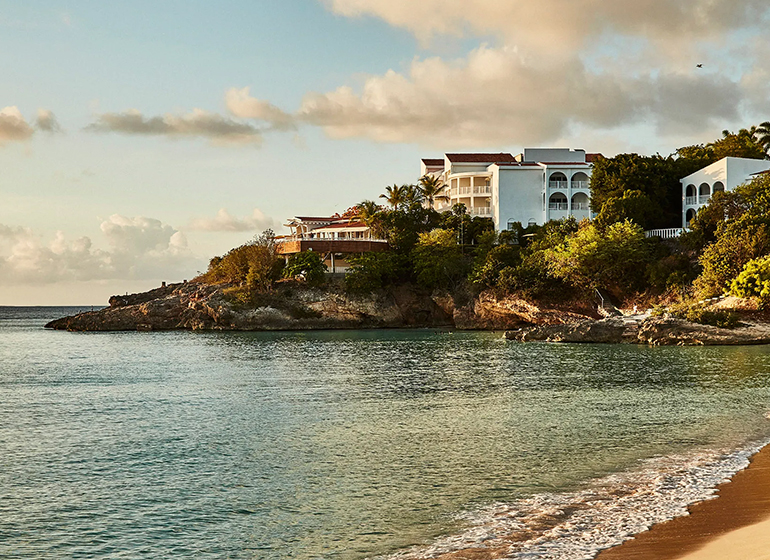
point(734, 526)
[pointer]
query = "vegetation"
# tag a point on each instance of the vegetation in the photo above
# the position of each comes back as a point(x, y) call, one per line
point(727, 249)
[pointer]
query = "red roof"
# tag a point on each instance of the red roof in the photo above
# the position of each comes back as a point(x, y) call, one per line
point(433, 162)
point(591, 158)
point(317, 218)
point(481, 158)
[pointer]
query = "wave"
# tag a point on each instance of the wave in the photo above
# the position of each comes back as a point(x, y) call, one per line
point(608, 511)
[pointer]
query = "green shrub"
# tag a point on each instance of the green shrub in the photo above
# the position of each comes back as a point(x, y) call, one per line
point(698, 313)
point(753, 281)
point(371, 271)
point(307, 266)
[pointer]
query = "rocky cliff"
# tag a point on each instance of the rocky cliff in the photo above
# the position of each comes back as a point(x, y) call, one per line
point(295, 306)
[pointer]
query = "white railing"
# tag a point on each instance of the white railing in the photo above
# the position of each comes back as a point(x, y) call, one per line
point(482, 189)
point(579, 184)
point(481, 211)
point(690, 200)
point(557, 184)
point(668, 233)
point(580, 206)
point(704, 198)
point(317, 237)
point(558, 206)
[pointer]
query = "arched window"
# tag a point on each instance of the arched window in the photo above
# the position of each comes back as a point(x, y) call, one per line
point(580, 180)
point(690, 215)
point(704, 189)
point(718, 187)
point(690, 190)
point(557, 201)
point(580, 201)
point(511, 224)
point(532, 222)
point(557, 180)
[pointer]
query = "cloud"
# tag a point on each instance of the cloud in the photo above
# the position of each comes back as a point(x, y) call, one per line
point(242, 105)
point(198, 123)
point(497, 96)
point(13, 127)
point(46, 121)
point(224, 222)
point(556, 25)
point(138, 248)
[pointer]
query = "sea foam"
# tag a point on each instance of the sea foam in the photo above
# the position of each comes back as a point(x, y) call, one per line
point(608, 511)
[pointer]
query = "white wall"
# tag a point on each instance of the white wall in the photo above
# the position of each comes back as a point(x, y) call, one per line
point(554, 154)
point(517, 194)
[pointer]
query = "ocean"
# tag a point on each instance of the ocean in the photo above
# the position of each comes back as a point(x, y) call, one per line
point(347, 445)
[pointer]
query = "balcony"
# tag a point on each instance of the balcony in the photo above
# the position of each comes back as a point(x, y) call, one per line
point(579, 184)
point(482, 189)
point(558, 206)
point(481, 211)
point(580, 206)
point(704, 198)
point(291, 244)
point(691, 200)
point(557, 184)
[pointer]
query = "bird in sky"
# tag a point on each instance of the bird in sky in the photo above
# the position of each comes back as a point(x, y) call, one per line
point(699, 65)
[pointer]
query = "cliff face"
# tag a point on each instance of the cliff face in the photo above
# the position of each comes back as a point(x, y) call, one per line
point(196, 306)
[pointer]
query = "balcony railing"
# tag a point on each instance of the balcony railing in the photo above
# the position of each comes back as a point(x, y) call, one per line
point(579, 184)
point(690, 200)
point(668, 233)
point(318, 237)
point(482, 189)
point(481, 211)
point(704, 198)
point(557, 184)
point(558, 206)
point(580, 206)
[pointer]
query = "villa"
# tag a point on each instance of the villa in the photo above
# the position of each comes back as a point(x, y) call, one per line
point(723, 175)
point(532, 188)
point(333, 237)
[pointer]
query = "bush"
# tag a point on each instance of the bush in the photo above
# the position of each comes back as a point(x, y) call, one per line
point(307, 266)
point(754, 281)
point(255, 265)
point(372, 271)
point(698, 313)
point(438, 259)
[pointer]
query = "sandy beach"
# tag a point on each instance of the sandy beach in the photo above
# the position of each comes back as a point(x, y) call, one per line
point(734, 526)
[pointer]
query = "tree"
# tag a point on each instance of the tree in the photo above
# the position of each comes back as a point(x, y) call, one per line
point(762, 135)
point(306, 265)
point(394, 196)
point(655, 177)
point(753, 281)
point(633, 205)
point(255, 264)
point(615, 259)
point(370, 214)
point(741, 144)
point(432, 189)
point(438, 261)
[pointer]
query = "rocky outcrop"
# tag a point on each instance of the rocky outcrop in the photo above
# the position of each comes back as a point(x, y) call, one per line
point(196, 306)
point(654, 331)
point(296, 306)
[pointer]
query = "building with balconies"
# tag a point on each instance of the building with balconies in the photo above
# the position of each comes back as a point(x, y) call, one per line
point(539, 185)
point(723, 175)
point(333, 238)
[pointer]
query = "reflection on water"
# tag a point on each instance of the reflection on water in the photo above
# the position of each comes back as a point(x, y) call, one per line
point(338, 445)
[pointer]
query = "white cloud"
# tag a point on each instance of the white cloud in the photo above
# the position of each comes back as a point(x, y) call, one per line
point(225, 222)
point(197, 123)
point(13, 126)
point(138, 248)
point(242, 105)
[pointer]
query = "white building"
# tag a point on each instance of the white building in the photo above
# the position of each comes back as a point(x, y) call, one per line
point(725, 174)
point(539, 185)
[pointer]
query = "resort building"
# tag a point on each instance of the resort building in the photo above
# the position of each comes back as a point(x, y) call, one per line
point(723, 175)
point(534, 187)
point(334, 238)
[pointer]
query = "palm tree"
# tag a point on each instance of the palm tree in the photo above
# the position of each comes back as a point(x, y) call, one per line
point(412, 195)
point(368, 212)
point(432, 189)
point(395, 196)
point(762, 134)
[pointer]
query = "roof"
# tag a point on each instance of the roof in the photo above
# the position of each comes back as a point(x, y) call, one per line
point(564, 163)
point(316, 218)
point(433, 162)
point(591, 158)
point(481, 158)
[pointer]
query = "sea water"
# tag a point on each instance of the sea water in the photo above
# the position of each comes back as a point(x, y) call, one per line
point(356, 444)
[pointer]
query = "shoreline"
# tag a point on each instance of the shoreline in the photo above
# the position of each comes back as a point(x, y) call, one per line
point(735, 525)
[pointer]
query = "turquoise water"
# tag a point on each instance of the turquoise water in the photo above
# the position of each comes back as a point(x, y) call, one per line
point(350, 445)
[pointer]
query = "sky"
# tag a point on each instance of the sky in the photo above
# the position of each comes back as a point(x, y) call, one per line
point(138, 139)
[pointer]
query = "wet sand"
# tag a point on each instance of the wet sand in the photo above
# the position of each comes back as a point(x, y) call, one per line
point(734, 526)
